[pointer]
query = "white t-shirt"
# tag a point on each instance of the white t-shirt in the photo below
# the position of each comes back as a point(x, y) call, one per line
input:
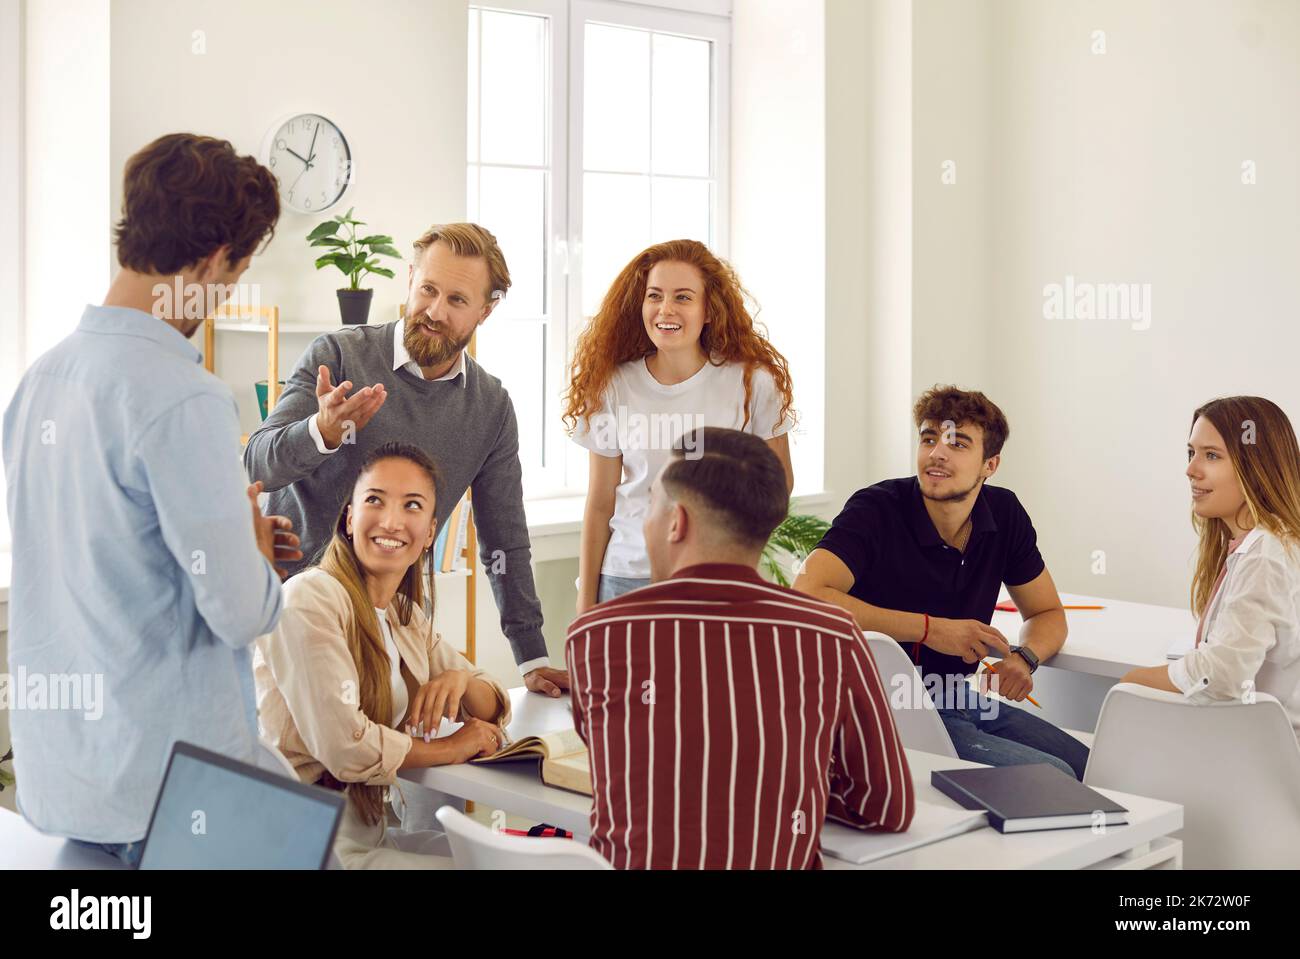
point(395, 659)
point(641, 419)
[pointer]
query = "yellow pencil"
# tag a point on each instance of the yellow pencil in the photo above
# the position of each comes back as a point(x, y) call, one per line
point(993, 669)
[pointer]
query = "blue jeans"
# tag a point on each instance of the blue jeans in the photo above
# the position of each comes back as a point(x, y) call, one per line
point(1013, 737)
point(128, 852)
point(610, 586)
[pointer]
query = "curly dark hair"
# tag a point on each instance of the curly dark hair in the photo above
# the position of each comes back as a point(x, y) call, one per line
point(941, 403)
point(184, 196)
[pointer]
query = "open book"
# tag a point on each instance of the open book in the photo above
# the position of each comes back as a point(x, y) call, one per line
point(930, 823)
point(563, 757)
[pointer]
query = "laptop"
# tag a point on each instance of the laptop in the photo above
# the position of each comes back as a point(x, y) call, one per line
point(213, 812)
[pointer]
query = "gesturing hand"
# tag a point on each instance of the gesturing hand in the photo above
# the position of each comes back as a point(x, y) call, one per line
point(275, 537)
point(968, 638)
point(437, 698)
point(337, 410)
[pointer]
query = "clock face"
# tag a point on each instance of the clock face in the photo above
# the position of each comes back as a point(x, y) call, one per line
point(310, 157)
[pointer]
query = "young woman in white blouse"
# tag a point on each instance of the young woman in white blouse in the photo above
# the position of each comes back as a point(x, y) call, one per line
point(672, 348)
point(1244, 467)
point(353, 682)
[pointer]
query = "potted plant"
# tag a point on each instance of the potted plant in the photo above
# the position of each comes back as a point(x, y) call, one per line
point(356, 257)
point(790, 544)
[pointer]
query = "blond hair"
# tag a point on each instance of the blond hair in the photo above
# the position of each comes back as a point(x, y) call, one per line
point(470, 239)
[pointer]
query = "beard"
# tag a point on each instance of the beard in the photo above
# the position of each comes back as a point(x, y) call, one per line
point(950, 497)
point(431, 349)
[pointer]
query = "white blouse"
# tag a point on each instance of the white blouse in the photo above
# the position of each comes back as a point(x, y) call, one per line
point(1251, 639)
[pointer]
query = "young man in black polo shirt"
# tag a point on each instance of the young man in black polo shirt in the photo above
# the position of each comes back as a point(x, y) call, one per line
point(922, 558)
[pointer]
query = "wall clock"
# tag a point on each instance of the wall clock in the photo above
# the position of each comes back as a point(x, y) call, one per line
point(311, 159)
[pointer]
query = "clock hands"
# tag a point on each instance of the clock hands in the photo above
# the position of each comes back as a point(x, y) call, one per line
point(306, 162)
point(311, 150)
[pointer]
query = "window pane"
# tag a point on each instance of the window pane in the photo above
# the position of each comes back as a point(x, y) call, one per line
point(616, 99)
point(512, 205)
point(515, 352)
point(681, 106)
point(615, 228)
point(471, 126)
point(680, 210)
point(513, 85)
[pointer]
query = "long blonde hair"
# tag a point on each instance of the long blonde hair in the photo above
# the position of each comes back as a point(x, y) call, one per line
point(365, 639)
point(1262, 449)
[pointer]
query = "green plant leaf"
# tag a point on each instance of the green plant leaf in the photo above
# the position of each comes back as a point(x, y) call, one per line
point(385, 249)
point(328, 228)
point(383, 271)
point(333, 241)
point(329, 259)
point(375, 239)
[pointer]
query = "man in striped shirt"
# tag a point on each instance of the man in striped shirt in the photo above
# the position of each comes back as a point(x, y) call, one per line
point(726, 717)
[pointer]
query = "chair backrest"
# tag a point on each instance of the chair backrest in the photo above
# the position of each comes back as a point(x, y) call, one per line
point(1234, 767)
point(475, 846)
point(915, 714)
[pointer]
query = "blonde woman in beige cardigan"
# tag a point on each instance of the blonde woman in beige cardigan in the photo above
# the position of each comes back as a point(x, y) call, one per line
point(353, 682)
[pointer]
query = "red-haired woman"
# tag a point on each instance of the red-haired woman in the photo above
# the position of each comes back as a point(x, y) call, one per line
point(672, 348)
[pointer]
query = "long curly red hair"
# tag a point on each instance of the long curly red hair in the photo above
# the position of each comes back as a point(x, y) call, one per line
point(616, 334)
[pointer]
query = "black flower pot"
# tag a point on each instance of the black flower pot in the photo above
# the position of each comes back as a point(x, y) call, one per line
point(354, 306)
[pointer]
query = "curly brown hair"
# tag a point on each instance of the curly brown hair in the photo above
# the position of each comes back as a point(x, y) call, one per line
point(184, 196)
point(940, 403)
point(616, 334)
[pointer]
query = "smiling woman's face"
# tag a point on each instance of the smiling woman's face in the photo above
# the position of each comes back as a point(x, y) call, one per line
point(673, 311)
point(391, 516)
point(1216, 491)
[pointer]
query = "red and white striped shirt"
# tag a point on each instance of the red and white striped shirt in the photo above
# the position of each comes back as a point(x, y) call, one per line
point(725, 718)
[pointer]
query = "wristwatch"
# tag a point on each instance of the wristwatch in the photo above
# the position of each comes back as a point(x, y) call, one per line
point(1027, 655)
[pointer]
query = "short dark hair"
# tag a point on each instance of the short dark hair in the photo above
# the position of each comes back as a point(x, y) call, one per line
point(184, 196)
point(736, 476)
point(941, 403)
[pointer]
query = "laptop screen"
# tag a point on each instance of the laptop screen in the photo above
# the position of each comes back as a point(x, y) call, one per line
point(217, 813)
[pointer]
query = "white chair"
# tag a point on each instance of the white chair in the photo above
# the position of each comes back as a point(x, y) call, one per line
point(1234, 767)
point(475, 846)
point(915, 714)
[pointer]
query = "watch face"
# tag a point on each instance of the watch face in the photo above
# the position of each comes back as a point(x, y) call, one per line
point(312, 162)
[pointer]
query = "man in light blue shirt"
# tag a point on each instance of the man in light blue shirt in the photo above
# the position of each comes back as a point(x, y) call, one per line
point(139, 581)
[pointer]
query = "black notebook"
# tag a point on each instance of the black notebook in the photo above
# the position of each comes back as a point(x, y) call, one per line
point(1027, 798)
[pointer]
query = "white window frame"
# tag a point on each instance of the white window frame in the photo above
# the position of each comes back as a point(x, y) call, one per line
point(566, 472)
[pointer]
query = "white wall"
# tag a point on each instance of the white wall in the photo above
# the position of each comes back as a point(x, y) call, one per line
point(868, 243)
point(1126, 167)
point(778, 197)
point(66, 220)
point(391, 75)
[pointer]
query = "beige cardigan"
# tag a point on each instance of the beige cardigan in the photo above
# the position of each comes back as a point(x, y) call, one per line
point(308, 690)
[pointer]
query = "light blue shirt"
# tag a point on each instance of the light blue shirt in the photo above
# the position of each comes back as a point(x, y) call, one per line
point(137, 583)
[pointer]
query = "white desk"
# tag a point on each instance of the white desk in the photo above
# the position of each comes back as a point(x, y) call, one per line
point(23, 847)
point(1102, 645)
point(516, 788)
point(1143, 843)
point(1109, 642)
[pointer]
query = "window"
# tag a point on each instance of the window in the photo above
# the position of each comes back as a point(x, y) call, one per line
point(595, 129)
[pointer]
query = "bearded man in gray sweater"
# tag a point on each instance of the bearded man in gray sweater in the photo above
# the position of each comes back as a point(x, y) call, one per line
point(411, 380)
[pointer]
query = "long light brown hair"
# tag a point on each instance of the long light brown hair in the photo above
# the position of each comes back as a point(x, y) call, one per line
point(616, 334)
point(365, 639)
point(1262, 449)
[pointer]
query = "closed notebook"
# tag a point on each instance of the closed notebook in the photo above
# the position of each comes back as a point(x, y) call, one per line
point(1028, 798)
point(930, 823)
point(563, 757)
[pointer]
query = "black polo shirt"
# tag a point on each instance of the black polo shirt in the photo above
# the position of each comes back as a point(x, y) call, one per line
point(899, 561)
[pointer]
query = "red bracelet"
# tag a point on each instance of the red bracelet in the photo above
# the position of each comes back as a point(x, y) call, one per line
point(916, 654)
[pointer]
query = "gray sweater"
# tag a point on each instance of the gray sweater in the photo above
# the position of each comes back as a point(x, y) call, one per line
point(469, 430)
